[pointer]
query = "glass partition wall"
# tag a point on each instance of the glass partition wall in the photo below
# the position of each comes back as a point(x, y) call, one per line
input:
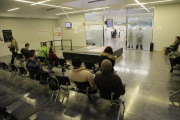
point(140, 28)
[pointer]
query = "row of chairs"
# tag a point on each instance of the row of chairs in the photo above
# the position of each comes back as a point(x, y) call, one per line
point(23, 112)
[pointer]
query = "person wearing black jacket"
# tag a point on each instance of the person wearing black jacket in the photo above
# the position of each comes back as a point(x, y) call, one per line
point(174, 46)
point(25, 51)
point(107, 54)
point(109, 80)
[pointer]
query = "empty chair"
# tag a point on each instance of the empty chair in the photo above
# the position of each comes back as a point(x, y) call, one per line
point(64, 80)
point(4, 66)
point(54, 86)
point(22, 71)
point(33, 75)
point(23, 112)
point(108, 93)
point(44, 76)
point(42, 60)
point(5, 101)
point(85, 88)
point(44, 116)
point(90, 65)
point(14, 71)
point(20, 57)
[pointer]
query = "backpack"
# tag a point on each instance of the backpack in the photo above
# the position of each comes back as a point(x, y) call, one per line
point(53, 84)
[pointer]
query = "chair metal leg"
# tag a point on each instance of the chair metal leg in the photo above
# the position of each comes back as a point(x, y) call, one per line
point(57, 95)
point(13, 78)
point(10, 78)
point(52, 95)
point(119, 113)
point(174, 94)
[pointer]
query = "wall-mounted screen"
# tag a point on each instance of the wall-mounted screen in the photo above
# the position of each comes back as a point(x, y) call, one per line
point(110, 23)
point(68, 25)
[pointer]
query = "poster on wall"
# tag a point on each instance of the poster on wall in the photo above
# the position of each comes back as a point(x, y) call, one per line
point(57, 35)
point(1, 37)
point(7, 34)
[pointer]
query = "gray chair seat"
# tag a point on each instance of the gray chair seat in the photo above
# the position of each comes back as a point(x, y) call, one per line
point(176, 72)
point(176, 78)
point(44, 116)
point(23, 112)
point(7, 100)
point(2, 93)
point(176, 67)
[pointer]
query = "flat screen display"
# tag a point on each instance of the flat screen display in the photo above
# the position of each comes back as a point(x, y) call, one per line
point(68, 25)
point(109, 22)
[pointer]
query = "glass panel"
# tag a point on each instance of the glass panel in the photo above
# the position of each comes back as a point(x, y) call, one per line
point(140, 28)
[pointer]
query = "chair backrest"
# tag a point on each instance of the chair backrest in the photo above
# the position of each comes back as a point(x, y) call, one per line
point(4, 66)
point(31, 74)
point(63, 80)
point(22, 70)
point(105, 91)
point(89, 65)
point(53, 84)
point(82, 85)
point(20, 56)
point(43, 77)
point(51, 61)
point(42, 59)
point(62, 62)
point(13, 68)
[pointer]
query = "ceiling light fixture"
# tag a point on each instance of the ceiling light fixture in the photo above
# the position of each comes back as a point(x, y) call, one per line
point(40, 2)
point(25, 1)
point(151, 2)
point(142, 5)
point(13, 9)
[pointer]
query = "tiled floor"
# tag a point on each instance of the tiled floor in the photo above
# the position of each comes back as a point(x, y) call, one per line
point(149, 86)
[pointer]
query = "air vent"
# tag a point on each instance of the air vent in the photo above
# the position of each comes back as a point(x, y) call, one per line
point(50, 9)
point(95, 1)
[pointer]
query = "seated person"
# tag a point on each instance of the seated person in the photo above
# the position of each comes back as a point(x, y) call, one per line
point(107, 54)
point(175, 59)
point(80, 74)
point(44, 51)
point(33, 66)
point(174, 46)
point(53, 55)
point(25, 51)
point(108, 79)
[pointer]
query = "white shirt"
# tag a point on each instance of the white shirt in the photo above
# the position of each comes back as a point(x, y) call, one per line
point(139, 34)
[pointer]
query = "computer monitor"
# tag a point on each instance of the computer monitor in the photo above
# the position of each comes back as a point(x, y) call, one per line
point(68, 25)
point(110, 23)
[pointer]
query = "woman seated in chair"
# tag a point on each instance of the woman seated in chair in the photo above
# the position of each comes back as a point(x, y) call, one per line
point(174, 46)
point(107, 54)
point(53, 55)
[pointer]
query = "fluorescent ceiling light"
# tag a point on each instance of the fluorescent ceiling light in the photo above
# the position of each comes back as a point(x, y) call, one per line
point(151, 2)
point(13, 9)
point(142, 5)
point(24, 1)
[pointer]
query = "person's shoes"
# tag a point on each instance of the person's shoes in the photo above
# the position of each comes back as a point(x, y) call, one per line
point(137, 46)
point(171, 70)
point(141, 47)
point(128, 46)
point(115, 103)
point(132, 46)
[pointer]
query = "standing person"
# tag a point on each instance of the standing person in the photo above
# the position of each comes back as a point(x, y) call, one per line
point(130, 38)
point(13, 48)
point(25, 51)
point(108, 80)
point(44, 51)
point(139, 36)
point(108, 54)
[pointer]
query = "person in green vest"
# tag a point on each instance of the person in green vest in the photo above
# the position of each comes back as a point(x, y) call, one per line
point(44, 51)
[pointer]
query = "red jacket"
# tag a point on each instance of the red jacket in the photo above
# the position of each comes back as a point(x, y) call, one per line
point(52, 55)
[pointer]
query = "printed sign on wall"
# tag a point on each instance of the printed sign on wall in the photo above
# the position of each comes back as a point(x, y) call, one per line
point(57, 33)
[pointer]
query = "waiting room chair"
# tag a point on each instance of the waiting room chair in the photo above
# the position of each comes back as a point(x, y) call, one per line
point(44, 116)
point(23, 112)
point(33, 75)
point(22, 72)
point(5, 101)
point(42, 60)
point(14, 71)
point(64, 80)
point(174, 51)
point(108, 93)
point(2, 92)
point(90, 66)
point(63, 63)
point(4, 66)
point(54, 86)
point(176, 78)
point(84, 87)
point(44, 76)
point(20, 57)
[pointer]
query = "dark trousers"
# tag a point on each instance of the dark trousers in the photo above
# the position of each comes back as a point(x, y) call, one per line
point(168, 49)
point(174, 61)
point(14, 54)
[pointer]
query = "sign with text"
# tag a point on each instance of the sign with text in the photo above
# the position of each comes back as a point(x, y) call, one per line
point(57, 35)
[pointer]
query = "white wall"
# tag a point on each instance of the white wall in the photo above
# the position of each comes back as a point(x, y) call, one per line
point(26, 31)
point(78, 39)
point(166, 16)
